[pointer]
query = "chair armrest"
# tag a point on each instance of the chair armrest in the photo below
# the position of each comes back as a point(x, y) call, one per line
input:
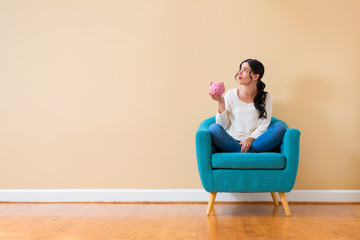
point(204, 153)
point(290, 148)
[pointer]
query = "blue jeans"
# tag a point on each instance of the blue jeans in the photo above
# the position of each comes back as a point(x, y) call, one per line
point(267, 141)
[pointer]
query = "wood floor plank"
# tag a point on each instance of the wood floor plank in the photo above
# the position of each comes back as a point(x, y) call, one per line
point(177, 221)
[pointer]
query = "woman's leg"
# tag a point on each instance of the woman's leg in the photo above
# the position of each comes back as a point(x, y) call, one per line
point(222, 140)
point(269, 139)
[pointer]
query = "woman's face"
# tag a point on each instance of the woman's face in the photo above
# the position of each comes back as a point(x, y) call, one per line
point(243, 76)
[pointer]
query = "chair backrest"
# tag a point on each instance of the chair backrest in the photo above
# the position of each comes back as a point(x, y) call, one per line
point(206, 123)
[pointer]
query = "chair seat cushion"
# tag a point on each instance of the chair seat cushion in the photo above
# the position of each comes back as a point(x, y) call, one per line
point(248, 160)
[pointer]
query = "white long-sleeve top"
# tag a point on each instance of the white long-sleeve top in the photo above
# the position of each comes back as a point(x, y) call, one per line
point(240, 119)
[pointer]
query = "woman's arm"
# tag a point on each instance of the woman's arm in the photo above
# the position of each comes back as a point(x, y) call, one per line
point(224, 109)
point(220, 100)
point(262, 127)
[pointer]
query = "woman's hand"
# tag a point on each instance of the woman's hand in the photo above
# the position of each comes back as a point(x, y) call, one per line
point(245, 145)
point(217, 97)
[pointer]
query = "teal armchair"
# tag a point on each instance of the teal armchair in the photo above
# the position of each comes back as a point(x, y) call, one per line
point(248, 172)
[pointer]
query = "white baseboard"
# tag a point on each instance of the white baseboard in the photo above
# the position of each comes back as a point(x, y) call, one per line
point(166, 195)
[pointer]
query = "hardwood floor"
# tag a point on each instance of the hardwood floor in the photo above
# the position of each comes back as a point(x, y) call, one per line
point(83, 221)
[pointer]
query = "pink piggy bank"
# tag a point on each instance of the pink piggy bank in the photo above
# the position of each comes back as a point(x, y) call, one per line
point(217, 88)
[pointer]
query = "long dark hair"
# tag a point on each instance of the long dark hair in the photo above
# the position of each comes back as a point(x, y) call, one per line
point(259, 100)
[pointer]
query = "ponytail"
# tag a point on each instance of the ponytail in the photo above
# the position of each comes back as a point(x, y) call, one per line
point(259, 100)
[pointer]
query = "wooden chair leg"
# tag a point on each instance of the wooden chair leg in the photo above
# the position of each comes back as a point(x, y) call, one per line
point(285, 203)
point(274, 197)
point(211, 203)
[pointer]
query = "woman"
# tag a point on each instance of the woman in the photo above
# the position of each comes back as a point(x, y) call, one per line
point(245, 113)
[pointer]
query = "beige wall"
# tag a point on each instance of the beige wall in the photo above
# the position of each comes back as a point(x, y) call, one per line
point(109, 94)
